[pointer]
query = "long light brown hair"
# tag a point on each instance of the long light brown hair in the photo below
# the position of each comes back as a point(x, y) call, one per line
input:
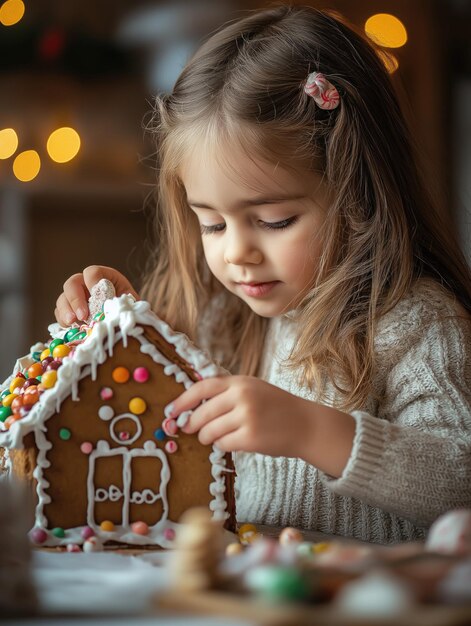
point(382, 231)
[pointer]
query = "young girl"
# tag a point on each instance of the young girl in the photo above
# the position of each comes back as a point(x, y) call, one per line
point(297, 243)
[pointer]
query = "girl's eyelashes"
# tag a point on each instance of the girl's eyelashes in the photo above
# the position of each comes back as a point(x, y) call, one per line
point(217, 228)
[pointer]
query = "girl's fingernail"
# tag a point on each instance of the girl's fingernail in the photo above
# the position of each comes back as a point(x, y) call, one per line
point(169, 410)
point(81, 314)
point(69, 318)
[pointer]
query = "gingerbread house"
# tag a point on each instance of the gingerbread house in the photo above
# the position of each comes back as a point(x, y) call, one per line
point(83, 418)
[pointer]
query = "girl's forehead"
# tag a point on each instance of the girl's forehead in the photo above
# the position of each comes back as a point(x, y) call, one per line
point(233, 167)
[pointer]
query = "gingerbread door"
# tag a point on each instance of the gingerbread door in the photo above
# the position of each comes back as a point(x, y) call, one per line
point(127, 485)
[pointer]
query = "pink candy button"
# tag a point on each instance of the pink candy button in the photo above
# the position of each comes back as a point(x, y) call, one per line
point(86, 447)
point(141, 374)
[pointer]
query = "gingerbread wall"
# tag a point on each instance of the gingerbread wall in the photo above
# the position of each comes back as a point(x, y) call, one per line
point(189, 466)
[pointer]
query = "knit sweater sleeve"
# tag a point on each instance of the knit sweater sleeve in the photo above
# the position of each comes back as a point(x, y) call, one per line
point(413, 457)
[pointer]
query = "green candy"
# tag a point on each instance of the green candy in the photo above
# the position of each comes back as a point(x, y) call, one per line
point(98, 317)
point(278, 583)
point(58, 532)
point(36, 356)
point(5, 411)
point(6, 392)
point(54, 343)
point(80, 336)
point(65, 434)
point(71, 334)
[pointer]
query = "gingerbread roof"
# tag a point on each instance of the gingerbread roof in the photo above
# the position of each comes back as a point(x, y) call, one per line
point(123, 317)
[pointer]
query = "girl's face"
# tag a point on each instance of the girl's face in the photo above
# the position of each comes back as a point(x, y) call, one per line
point(261, 227)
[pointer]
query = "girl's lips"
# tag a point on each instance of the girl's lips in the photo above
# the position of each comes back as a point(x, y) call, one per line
point(258, 289)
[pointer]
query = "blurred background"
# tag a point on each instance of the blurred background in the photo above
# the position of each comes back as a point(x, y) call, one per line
point(77, 81)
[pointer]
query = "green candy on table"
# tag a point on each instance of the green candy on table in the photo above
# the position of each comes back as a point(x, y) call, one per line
point(36, 356)
point(278, 583)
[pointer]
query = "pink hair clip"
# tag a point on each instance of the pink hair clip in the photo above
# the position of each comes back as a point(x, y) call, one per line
point(324, 93)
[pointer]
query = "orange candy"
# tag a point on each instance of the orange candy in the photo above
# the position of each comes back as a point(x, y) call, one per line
point(35, 370)
point(17, 403)
point(120, 375)
point(30, 396)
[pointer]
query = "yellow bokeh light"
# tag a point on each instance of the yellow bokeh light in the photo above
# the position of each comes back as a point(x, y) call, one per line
point(11, 12)
point(26, 165)
point(8, 143)
point(63, 144)
point(389, 60)
point(386, 30)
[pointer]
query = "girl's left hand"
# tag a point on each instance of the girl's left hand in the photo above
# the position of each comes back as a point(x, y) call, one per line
point(243, 413)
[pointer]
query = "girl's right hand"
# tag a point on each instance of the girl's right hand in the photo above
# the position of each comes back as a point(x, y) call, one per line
point(72, 304)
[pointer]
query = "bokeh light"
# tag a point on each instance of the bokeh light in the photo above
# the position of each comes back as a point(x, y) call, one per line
point(63, 144)
point(8, 143)
point(26, 165)
point(386, 30)
point(11, 12)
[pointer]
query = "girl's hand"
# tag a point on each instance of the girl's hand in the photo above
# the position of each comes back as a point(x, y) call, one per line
point(242, 413)
point(72, 304)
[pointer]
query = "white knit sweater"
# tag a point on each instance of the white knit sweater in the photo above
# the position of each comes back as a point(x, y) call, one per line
point(411, 456)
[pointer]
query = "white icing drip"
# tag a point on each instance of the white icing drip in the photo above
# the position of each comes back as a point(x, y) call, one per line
point(123, 318)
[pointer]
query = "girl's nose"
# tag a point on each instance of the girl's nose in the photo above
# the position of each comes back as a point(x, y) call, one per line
point(240, 250)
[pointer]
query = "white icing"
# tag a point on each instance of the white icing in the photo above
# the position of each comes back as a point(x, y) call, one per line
point(123, 318)
point(136, 435)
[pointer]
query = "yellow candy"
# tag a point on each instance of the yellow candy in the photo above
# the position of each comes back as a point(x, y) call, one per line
point(7, 400)
point(107, 526)
point(249, 537)
point(49, 379)
point(16, 382)
point(247, 528)
point(137, 406)
point(320, 547)
point(44, 354)
point(61, 351)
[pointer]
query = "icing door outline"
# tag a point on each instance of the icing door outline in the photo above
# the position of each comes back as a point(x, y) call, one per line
point(113, 493)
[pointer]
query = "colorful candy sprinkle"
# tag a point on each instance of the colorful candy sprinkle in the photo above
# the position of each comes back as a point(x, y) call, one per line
point(70, 334)
point(8, 399)
point(16, 382)
point(87, 532)
point(61, 351)
point(140, 528)
point(35, 370)
point(58, 532)
point(169, 534)
point(107, 526)
point(49, 379)
point(38, 535)
point(159, 434)
point(54, 343)
point(171, 446)
point(120, 375)
point(5, 412)
point(86, 447)
point(44, 354)
point(65, 434)
point(106, 393)
point(73, 547)
point(137, 406)
point(105, 412)
point(141, 374)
